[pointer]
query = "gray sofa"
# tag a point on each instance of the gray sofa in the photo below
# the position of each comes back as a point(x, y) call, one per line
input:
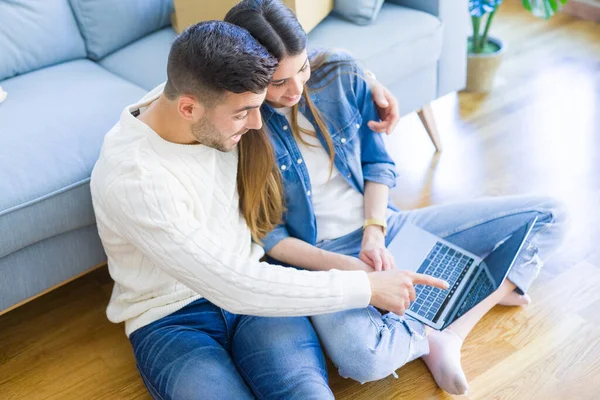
point(70, 66)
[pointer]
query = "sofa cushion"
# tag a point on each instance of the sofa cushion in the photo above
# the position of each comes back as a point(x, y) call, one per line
point(108, 25)
point(35, 34)
point(143, 62)
point(361, 12)
point(53, 124)
point(396, 45)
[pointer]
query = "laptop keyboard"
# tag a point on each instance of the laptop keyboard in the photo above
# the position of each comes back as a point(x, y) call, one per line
point(482, 288)
point(445, 263)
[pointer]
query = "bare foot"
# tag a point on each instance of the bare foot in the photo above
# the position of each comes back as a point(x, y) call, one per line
point(515, 299)
point(443, 361)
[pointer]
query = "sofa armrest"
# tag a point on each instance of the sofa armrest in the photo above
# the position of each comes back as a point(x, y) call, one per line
point(452, 66)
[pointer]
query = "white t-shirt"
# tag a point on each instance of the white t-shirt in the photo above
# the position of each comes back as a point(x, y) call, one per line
point(339, 208)
point(169, 219)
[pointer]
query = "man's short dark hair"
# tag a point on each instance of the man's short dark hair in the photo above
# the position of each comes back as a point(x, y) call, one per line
point(214, 57)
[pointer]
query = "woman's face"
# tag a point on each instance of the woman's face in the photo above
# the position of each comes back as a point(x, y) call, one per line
point(288, 81)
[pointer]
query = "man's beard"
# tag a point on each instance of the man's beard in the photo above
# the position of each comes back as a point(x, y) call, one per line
point(208, 135)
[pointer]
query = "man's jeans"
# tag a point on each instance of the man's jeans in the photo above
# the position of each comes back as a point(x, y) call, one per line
point(204, 352)
point(368, 346)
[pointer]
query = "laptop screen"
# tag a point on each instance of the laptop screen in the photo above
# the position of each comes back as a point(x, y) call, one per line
point(500, 260)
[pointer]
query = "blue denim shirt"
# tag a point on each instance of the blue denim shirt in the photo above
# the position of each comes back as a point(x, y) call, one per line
point(346, 106)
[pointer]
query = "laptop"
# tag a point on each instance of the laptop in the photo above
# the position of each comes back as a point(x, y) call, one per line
point(470, 278)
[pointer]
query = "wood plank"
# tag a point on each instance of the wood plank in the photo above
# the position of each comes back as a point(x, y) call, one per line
point(525, 373)
point(519, 326)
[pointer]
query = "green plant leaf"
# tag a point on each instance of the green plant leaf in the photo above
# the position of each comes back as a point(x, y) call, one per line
point(478, 8)
point(543, 8)
point(476, 34)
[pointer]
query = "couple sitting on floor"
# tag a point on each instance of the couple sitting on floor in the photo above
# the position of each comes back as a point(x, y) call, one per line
point(255, 145)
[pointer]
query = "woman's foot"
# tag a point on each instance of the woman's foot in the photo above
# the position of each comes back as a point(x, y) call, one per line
point(443, 361)
point(515, 299)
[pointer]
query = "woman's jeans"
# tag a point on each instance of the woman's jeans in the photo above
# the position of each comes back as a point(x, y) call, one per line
point(203, 352)
point(366, 345)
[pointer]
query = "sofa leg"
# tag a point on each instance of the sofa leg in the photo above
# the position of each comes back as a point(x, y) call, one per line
point(428, 120)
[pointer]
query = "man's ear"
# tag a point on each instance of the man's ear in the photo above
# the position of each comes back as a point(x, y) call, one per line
point(190, 108)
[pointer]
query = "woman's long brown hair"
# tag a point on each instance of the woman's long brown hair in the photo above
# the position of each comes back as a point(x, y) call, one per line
point(317, 62)
point(260, 189)
point(259, 184)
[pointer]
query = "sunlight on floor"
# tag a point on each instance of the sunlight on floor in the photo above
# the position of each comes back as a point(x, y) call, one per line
point(564, 125)
point(544, 142)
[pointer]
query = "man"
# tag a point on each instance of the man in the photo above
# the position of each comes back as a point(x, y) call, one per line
point(181, 255)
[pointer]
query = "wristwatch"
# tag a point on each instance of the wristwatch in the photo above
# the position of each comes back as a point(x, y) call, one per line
point(375, 221)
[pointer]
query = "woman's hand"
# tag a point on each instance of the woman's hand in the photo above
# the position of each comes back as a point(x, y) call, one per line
point(373, 251)
point(387, 108)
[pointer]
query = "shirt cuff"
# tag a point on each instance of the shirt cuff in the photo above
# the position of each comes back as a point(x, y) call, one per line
point(376, 173)
point(274, 237)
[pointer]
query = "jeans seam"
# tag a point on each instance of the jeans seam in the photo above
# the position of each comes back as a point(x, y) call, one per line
point(493, 217)
point(149, 384)
point(249, 382)
point(227, 328)
point(242, 372)
point(375, 322)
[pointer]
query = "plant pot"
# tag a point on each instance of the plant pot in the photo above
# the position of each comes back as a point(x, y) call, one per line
point(481, 68)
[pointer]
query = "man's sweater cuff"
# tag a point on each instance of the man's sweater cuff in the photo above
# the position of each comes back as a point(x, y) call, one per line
point(357, 289)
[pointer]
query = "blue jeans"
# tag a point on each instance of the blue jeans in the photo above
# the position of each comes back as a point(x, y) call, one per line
point(204, 352)
point(366, 345)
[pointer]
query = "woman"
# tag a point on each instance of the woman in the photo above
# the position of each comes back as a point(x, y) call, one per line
point(333, 175)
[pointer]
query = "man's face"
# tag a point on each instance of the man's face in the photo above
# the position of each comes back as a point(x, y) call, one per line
point(222, 126)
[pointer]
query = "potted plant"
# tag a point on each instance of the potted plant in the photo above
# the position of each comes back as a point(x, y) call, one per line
point(485, 52)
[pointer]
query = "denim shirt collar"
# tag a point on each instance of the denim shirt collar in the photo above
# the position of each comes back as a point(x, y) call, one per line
point(268, 110)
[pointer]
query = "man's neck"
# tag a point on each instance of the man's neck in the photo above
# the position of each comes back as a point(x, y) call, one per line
point(162, 117)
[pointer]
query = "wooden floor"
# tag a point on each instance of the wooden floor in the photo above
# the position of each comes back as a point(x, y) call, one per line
point(538, 132)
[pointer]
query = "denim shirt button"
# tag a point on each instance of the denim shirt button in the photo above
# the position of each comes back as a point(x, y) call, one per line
point(285, 127)
point(299, 161)
point(348, 175)
point(283, 167)
point(308, 192)
point(358, 125)
point(343, 140)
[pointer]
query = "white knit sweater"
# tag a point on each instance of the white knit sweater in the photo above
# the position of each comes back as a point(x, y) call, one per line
point(169, 220)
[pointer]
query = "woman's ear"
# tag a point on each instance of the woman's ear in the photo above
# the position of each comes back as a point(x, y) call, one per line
point(190, 108)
